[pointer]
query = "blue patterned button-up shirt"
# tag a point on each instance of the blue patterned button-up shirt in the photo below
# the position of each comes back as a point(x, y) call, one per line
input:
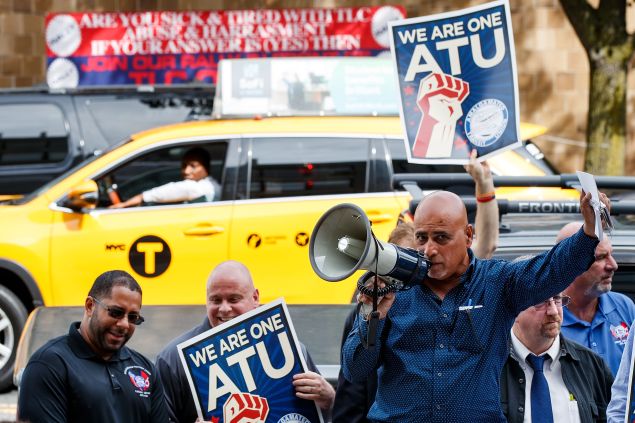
point(440, 361)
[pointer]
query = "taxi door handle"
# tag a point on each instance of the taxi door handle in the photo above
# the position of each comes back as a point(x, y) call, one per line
point(204, 230)
point(376, 217)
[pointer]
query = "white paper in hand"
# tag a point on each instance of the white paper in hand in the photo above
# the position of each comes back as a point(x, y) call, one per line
point(588, 185)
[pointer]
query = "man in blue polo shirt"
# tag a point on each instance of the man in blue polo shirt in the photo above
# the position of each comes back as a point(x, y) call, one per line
point(597, 318)
point(446, 339)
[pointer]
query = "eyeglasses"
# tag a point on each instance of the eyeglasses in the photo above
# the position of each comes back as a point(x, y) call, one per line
point(118, 314)
point(558, 300)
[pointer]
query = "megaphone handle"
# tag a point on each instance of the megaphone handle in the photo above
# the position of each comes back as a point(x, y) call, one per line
point(375, 293)
point(373, 321)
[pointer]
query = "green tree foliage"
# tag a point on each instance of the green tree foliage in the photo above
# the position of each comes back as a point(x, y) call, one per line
point(609, 47)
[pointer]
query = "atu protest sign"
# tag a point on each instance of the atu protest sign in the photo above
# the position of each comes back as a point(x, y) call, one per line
point(242, 371)
point(457, 80)
point(172, 47)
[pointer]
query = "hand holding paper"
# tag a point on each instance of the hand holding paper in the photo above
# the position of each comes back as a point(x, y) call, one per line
point(595, 207)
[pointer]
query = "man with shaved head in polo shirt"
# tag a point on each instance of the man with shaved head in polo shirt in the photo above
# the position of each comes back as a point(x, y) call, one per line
point(442, 343)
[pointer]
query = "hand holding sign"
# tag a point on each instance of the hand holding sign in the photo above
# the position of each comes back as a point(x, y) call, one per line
point(480, 172)
point(439, 98)
point(313, 387)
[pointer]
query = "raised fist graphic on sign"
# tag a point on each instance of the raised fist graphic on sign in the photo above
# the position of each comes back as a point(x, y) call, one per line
point(439, 98)
point(245, 408)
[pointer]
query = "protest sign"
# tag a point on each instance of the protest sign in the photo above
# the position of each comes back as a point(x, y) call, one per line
point(167, 47)
point(457, 80)
point(243, 370)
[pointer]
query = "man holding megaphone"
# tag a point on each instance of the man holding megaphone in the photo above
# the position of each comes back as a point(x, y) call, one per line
point(443, 342)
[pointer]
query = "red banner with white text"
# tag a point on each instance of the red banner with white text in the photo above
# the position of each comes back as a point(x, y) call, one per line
point(169, 47)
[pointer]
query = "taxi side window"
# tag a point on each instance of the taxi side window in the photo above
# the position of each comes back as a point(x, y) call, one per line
point(157, 168)
point(32, 134)
point(300, 166)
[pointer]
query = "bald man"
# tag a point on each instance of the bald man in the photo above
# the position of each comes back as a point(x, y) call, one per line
point(597, 318)
point(443, 343)
point(230, 293)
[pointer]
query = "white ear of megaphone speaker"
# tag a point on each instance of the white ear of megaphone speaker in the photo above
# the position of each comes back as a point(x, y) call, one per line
point(343, 242)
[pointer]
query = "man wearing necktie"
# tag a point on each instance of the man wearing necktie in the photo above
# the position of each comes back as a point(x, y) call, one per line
point(548, 378)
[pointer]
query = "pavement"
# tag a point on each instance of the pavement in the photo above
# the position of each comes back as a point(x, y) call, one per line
point(8, 405)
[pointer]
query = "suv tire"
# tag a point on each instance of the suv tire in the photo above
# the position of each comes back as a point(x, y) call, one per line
point(13, 316)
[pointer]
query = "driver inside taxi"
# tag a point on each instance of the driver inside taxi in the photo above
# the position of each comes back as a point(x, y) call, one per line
point(196, 183)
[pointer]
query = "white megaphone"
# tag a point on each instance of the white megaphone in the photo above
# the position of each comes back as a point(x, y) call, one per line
point(343, 242)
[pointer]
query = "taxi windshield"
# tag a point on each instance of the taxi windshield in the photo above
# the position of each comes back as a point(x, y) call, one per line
point(45, 187)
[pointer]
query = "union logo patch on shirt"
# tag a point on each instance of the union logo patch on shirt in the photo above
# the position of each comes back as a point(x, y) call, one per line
point(140, 379)
point(620, 333)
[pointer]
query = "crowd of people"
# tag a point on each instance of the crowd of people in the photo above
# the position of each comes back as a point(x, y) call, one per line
point(539, 339)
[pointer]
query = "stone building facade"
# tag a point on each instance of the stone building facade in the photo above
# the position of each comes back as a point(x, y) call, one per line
point(553, 70)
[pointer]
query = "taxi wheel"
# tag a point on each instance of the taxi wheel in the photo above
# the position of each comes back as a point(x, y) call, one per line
point(13, 315)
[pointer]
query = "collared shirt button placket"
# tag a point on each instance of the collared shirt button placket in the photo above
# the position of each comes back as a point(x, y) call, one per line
point(594, 345)
point(444, 324)
point(438, 413)
point(437, 365)
point(444, 320)
point(440, 358)
point(442, 340)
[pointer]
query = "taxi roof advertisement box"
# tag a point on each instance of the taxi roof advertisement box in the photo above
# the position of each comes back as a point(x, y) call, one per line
point(171, 47)
point(457, 80)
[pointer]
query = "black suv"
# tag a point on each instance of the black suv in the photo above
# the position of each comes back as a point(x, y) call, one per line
point(44, 132)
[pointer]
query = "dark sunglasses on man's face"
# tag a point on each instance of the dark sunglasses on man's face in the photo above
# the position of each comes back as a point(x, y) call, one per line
point(118, 314)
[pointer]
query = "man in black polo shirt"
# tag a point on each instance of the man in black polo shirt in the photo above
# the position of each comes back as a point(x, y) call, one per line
point(89, 375)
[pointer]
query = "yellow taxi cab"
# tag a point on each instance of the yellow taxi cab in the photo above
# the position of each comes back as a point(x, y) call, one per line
point(276, 177)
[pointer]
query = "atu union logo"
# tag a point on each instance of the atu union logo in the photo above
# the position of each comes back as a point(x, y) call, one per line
point(486, 121)
point(293, 418)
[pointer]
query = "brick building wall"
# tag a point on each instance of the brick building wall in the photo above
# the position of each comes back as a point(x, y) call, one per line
point(553, 70)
